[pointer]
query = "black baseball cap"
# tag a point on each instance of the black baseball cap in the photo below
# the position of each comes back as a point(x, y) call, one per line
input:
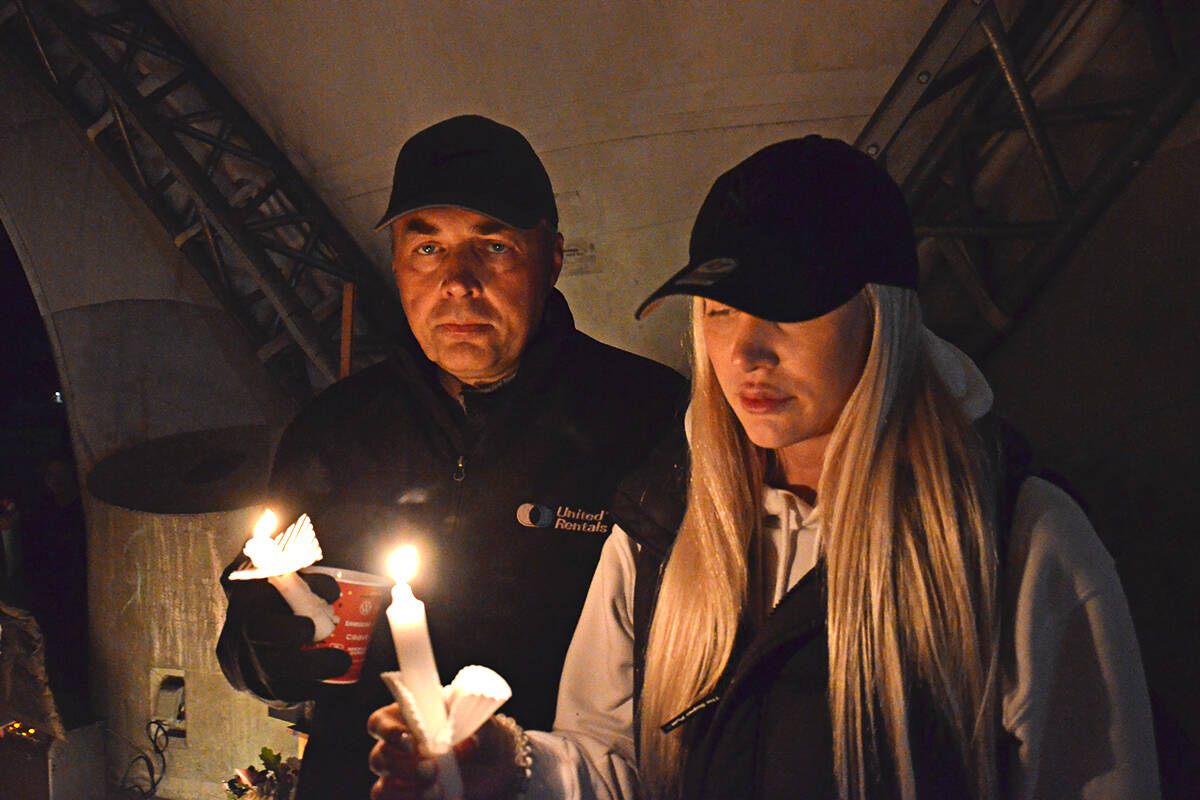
point(795, 231)
point(475, 163)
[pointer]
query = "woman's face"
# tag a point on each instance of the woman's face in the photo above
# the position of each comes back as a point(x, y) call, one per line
point(787, 382)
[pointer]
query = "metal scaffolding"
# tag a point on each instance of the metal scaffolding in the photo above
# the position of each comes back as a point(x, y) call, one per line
point(264, 242)
point(1006, 157)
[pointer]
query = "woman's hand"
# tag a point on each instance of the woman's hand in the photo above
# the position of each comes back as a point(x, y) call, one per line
point(493, 763)
point(404, 773)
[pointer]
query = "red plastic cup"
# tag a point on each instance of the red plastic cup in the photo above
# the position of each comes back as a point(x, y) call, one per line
point(363, 597)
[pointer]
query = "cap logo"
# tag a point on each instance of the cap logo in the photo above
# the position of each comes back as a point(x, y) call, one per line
point(708, 273)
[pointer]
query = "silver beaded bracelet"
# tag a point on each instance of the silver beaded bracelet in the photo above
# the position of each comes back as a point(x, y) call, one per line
point(522, 753)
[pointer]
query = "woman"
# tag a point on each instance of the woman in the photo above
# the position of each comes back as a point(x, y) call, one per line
point(864, 597)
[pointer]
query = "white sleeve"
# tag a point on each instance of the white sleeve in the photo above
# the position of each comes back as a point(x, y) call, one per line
point(1075, 694)
point(590, 753)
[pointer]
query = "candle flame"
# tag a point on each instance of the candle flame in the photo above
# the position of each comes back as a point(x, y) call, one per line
point(402, 563)
point(272, 553)
point(266, 524)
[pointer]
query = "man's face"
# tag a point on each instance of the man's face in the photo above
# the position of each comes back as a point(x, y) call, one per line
point(473, 288)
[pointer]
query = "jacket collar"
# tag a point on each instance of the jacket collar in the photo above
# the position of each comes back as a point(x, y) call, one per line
point(409, 362)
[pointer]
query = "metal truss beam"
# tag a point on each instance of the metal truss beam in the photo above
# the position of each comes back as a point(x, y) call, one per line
point(262, 239)
point(945, 131)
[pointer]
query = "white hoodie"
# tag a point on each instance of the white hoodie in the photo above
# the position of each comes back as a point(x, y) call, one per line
point(1074, 694)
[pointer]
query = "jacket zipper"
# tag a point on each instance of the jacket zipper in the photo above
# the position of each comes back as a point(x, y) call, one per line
point(456, 501)
point(695, 708)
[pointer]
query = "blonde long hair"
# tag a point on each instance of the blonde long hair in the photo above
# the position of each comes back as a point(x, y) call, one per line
point(909, 552)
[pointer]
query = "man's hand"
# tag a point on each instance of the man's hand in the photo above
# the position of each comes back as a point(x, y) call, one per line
point(272, 638)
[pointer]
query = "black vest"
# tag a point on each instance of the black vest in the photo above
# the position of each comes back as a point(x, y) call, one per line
point(769, 734)
point(765, 732)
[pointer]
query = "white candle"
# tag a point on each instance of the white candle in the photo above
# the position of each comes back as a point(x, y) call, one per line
point(267, 555)
point(305, 603)
point(410, 634)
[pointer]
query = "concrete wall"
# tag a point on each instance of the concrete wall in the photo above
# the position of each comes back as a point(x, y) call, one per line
point(143, 348)
point(157, 608)
point(1103, 378)
point(143, 352)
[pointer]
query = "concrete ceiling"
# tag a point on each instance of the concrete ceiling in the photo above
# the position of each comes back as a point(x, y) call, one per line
point(635, 107)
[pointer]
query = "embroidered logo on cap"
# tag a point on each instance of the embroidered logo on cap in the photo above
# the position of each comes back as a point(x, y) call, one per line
point(708, 273)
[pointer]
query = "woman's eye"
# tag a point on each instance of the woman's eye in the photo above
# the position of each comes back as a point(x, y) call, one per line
point(717, 312)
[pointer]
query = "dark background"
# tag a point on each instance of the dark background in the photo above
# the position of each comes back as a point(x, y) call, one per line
point(32, 424)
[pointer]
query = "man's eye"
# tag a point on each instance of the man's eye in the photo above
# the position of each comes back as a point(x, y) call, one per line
point(427, 249)
point(497, 247)
point(712, 311)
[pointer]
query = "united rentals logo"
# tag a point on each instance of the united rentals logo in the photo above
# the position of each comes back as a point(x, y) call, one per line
point(532, 516)
point(564, 518)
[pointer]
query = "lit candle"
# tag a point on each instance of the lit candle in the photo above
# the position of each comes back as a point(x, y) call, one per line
point(406, 617)
point(278, 562)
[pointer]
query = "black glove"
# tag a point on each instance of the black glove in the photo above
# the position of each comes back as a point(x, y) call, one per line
point(261, 642)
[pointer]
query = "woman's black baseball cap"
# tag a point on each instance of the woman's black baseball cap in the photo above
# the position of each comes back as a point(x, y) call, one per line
point(795, 231)
point(475, 163)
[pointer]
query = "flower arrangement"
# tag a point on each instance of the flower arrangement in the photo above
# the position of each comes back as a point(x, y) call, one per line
point(275, 781)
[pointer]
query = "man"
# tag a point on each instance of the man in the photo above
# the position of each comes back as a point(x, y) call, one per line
point(492, 440)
